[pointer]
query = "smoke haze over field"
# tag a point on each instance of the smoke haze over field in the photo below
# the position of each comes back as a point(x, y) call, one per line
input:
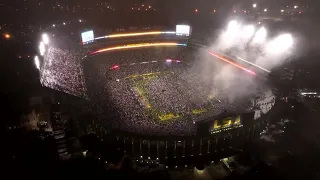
point(249, 41)
point(225, 79)
point(255, 43)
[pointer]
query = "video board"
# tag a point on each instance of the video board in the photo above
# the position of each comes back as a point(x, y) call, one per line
point(225, 124)
point(182, 30)
point(87, 37)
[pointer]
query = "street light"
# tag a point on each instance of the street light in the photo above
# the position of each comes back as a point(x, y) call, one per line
point(254, 5)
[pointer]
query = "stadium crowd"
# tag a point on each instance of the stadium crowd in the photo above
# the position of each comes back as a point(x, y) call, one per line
point(147, 91)
point(61, 69)
point(144, 88)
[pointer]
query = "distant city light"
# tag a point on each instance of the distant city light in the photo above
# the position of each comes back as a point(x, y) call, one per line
point(7, 36)
point(265, 10)
point(45, 38)
point(53, 25)
point(80, 20)
point(234, 11)
point(196, 10)
point(64, 23)
point(295, 7)
point(282, 10)
point(149, 7)
point(254, 5)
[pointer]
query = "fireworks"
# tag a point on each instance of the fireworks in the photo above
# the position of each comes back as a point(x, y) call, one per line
point(45, 39)
point(42, 48)
point(260, 36)
point(243, 41)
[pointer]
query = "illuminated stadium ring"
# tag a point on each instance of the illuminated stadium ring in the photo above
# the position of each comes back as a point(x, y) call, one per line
point(136, 34)
point(133, 46)
point(116, 66)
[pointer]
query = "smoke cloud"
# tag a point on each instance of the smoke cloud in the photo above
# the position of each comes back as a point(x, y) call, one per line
point(248, 41)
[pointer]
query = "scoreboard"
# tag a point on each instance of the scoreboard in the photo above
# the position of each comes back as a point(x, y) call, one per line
point(225, 122)
point(183, 30)
point(87, 37)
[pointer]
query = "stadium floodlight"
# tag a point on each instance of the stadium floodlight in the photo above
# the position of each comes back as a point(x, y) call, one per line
point(260, 35)
point(45, 38)
point(37, 62)
point(280, 44)
point(248, 31)
point(254, 5)
point(42, 48)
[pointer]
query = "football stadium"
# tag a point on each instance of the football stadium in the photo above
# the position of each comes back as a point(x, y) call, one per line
point(160, 96)
point(155, 82)
point(166, 88)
